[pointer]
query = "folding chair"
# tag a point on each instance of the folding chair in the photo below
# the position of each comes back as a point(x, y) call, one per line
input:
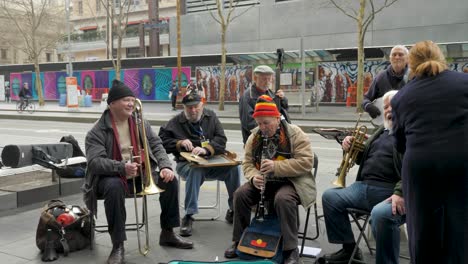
point(216, 205)
point(303, 234)
point(360, 215)
point(130, 226)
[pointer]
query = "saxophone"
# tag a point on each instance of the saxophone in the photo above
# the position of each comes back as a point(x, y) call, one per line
point(349, 157)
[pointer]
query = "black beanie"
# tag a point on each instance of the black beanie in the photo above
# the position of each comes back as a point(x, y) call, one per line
point(117, 91)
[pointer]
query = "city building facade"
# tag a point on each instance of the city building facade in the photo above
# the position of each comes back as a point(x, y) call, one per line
point(89, 20)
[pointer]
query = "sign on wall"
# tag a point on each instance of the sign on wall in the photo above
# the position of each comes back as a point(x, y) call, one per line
point(72, 92)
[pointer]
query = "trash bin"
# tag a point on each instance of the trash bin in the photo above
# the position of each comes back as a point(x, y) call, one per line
point(63, 99)
point(88, 102)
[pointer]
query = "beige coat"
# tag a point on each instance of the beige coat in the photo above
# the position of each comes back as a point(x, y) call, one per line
point(297, 169)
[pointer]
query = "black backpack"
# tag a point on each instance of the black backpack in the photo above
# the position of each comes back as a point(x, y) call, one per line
point(75, 170)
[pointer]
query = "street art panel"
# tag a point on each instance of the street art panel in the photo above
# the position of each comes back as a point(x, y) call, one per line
point(238, 78)
point(146, 83)
point(334, 78)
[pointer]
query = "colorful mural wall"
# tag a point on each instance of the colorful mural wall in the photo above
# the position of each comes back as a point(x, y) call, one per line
point(147, 84)
point(334, 78)
point(238, 78)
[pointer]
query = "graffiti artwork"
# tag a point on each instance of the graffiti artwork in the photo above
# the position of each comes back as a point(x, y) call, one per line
point(147, 84)
point(238, 78)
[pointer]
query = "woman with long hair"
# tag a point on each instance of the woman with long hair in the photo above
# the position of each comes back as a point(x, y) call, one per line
point(430, 117)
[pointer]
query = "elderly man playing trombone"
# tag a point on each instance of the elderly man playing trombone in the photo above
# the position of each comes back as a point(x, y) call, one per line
point(111, 146)
point(377, 189)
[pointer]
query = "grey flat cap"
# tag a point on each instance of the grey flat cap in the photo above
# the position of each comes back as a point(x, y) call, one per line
point(264, 69)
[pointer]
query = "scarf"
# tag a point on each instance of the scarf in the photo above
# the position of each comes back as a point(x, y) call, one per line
point(117, 152)
point(278, 148)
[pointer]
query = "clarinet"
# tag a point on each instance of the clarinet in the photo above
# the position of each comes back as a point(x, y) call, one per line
point(261, 206)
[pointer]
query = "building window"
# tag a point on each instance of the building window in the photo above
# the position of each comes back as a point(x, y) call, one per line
point(48, 57)
point(98, 5)
point(80, 8)
point(133, 52)
point(4, 53)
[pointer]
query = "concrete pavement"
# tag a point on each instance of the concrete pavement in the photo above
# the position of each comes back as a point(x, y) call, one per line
point(211, 238)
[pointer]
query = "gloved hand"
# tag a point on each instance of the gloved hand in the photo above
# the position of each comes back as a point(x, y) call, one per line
point(372, 110)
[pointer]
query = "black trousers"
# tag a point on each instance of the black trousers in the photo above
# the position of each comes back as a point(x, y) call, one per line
point(173, 100)
point(112, 190)
point(285, 200)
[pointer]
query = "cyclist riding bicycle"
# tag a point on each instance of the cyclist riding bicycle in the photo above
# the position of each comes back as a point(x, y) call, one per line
point(24, 95)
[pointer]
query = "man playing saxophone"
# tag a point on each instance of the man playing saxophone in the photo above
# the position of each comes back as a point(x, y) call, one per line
point(377, 189)
point(287, 171)
point(111, 171)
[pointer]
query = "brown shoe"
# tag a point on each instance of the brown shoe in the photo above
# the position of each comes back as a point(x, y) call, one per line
point(230, 252)
point(117, 255)
point(171, 239)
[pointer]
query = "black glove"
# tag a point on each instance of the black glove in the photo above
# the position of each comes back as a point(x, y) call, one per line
point(372, 110)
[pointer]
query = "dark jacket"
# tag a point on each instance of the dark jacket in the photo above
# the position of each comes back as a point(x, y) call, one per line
point(179, 128)
point(247, 106)
point(361, 160)
point(384, 81)
point(24, 92)
point(99, 147)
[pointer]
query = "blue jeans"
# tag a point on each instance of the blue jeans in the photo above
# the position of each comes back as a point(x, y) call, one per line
point(386, 231)
point(195, 176)
point(365, 197)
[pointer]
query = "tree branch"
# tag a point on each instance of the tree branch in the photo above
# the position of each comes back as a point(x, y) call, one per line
point(344, 11)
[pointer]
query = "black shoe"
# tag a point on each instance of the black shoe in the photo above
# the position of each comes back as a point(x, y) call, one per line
point(171, 239)
point(293, 257)
point(229, 216)
point(343, 256)
point(186, 227)
point(230, 252)
point(117, 254)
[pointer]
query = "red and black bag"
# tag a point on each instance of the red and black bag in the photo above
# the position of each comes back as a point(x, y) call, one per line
point(70, 227)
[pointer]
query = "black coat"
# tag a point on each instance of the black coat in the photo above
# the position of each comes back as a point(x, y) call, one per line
point(384, 81)
point(430, 117)
point(179, 128)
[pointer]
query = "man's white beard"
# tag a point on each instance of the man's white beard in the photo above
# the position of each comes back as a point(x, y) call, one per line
point(198, 117)
point(388, 124)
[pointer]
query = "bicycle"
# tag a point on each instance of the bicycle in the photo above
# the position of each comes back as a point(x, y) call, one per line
point(28, 106)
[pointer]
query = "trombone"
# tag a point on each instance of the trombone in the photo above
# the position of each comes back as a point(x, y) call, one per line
point(147, 183)
point(349, 158)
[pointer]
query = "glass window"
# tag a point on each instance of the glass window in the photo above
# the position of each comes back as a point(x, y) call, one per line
point(4, 53)
point(98, 5)
point(80, 8)
point(48, 57)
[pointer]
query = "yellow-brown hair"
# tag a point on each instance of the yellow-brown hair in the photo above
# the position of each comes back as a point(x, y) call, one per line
point(426, 58)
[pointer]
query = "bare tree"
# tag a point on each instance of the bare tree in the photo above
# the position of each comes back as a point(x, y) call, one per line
point(39, 26)
point(224, 16)
point(116, 16)
point(363, 16)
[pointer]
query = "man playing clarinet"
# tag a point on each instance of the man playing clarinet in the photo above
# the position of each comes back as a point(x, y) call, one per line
point(286, 168)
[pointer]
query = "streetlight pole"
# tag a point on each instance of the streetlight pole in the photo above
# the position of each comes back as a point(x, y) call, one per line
point(69, 66)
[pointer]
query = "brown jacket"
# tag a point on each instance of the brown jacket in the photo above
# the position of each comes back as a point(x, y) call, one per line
point(297, 169)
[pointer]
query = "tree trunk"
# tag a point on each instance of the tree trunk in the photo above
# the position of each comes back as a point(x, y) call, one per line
point(222, 81)
point(37, 70)
point(118, 64)
point(360, 77)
